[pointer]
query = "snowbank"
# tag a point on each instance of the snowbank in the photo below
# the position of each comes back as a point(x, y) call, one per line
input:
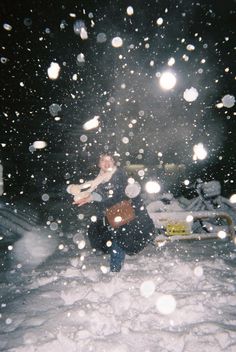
point(178, 298)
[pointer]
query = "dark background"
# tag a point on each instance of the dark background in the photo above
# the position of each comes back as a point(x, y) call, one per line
point(42, 32)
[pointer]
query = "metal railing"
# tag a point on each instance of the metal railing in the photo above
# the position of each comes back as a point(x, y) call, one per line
point(203, 215)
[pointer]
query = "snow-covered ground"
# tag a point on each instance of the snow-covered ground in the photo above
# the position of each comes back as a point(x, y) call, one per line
point(180, 298)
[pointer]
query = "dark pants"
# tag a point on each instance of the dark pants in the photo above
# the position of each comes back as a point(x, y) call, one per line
point(99, 235)
point(102, 238)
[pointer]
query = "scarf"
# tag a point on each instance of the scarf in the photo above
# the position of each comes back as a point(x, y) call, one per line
point(85, 189)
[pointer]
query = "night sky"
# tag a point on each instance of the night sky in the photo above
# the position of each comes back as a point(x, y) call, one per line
point(138, 119)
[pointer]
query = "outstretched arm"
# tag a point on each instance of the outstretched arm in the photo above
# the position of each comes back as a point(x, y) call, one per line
point(83, 201)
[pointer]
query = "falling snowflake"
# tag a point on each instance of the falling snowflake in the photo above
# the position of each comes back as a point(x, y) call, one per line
point(228, 101)
point(117, 42)
point(190, 94)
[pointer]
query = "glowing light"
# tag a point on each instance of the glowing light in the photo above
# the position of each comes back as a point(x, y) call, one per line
point(125, 140)
point(198, 271)
point(83, 34)
point(45, 197)
point(7, 27)
point(132, 190)
point(185, 57)
point(109, 243)
point(93, 123)
point(8, 321)
point(77, 238)
point(117, 42)
point(141, 113)
point(63, 24)
point(167, 80)
point(166, 304)
point(81, 58)
point(186, 182)
point(222, 234)
point(53, 70)
point(104, 269)
point(130, 10)
point(131, 180)
point(80, 29)
point(219, 105)
point(118, 219)
point(54, 109)
point(141, 173)
point(232, 199)
point(3, 60)
point(83, 138)
point(81, 244)
point(228, 101)
point(199, 152)
point(190, 47)
point(190, 94)
point(189, 218)
point(160, 21)
point(171, 61)
point(93, 218)
point(39, 144)
point(147, 288)
point(153, 187)
point(53, 226)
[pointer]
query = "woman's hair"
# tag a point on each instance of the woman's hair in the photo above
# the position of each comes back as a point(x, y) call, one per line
point(110, 155)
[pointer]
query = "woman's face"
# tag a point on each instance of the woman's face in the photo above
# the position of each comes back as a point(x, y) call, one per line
point(106, 163)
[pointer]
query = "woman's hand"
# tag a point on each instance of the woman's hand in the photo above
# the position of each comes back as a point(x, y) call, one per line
point(83, 201)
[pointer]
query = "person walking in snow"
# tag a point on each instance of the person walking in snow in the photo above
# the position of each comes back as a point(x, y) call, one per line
point(122, 236)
